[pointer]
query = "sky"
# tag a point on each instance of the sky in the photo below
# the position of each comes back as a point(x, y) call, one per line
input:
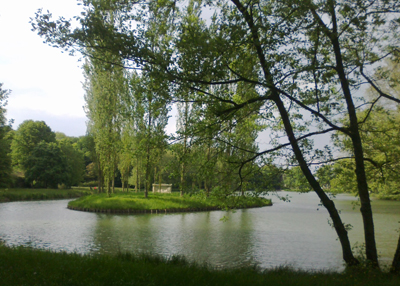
point(45, 84)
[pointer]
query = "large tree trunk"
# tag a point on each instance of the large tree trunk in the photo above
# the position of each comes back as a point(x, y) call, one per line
point(328, 203)
point(366, 210)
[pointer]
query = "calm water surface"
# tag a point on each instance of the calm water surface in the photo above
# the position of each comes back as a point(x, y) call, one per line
point(295, 233)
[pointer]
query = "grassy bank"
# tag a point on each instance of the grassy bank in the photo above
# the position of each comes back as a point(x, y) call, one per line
point(21, 266)
point(11, 195)
point(135, 202)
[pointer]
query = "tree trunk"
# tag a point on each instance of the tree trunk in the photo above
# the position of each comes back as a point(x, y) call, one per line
point(127, 180)
point(147, 175)
point(396, 260)
point(98, 178)
point(137, 175)
point(207, 183)
point(159, 181)
point(183, 156)
point(182, 179)
point(328, 203)
point(155, 175)
point(113, 181)
point(148, 167)
point(366, 210)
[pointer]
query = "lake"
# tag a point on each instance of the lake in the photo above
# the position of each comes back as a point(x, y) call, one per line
point(295, 233)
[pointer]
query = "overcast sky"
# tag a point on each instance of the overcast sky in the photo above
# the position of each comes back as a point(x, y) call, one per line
point(46, 84)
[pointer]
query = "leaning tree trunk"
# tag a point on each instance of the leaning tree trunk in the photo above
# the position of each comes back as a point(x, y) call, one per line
point(366, 210)
point(328, 203)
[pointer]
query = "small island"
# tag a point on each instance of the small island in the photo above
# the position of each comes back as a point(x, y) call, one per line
point(132, 202)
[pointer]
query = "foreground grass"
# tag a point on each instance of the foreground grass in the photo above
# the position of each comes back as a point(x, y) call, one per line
point(22, 266)
point(11, 195)
point(161, 202)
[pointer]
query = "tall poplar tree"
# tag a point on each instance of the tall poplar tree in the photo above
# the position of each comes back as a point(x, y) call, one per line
point(150, 111)
point(106, 89)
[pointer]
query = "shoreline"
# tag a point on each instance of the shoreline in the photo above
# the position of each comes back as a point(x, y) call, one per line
point(27, 195)
point(156, 211)
point(156, 203)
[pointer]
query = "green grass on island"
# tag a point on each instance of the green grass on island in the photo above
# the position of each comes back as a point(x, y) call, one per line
point(19, 194)
point(171, 202)
point(25, 266)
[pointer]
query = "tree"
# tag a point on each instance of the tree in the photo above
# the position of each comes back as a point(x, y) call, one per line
point(28, 135)
point(150, 113)
point(74, 161)
point(104, 87)
point(307, 59)
point(270, 177)
point(46, 166)
point(126, 154)
point(5, 158)
point(294, 179)
point(86, 145)
point(325, 175)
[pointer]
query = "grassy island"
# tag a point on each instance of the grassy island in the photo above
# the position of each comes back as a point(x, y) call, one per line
point(157, 203)
point(24, 266)
point(19, 194)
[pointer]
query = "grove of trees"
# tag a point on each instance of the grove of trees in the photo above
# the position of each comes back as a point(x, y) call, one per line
point(42, 160)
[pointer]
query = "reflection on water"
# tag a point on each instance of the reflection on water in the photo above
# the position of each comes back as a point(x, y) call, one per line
point(295, 233)
point(46, 224)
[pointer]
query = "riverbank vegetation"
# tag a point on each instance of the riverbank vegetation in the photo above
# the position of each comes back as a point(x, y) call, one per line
point(24, 266)
point(157, 202)
point(18, 194)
